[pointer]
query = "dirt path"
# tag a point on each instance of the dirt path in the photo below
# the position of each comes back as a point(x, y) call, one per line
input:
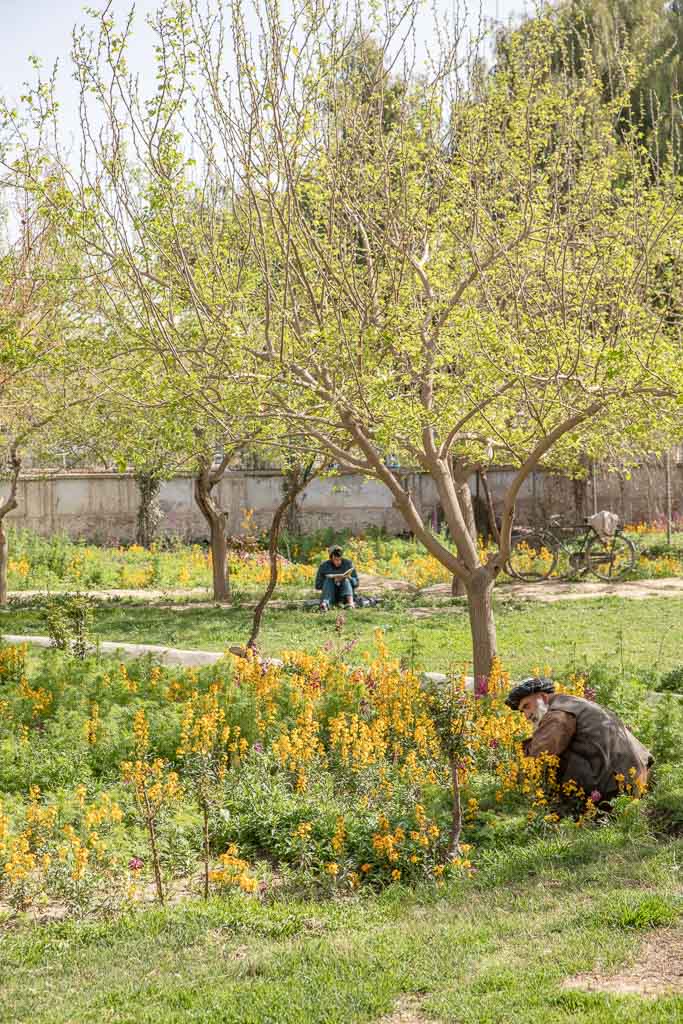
point(657, 972)
point(407, 1011)
point(167, 655)
point(670, 586)
point(202, 593)
point(550, 591)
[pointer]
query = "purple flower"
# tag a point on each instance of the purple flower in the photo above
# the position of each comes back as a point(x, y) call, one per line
point(493, 744)
point(589, 693)
point(135, 863)
point(257, 748)
point(596, 796)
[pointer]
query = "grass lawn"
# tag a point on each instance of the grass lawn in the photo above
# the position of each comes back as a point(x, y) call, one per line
point(491, 951)
point(625, 633)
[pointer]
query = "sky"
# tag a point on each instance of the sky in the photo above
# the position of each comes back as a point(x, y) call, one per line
point(43, 28)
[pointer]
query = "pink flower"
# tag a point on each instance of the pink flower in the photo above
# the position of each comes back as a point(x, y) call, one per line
point(481, 686)
point(135, 863)
point(257, 748)
point(493, 744)
point(596, 796)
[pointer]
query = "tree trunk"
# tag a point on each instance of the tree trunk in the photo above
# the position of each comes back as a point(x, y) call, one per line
point(7, 506)
point(464, 495)
point(579, 488)
point(458, 588)
point(490, 508)
point(215, 518)
point(478, 579)
point(294, 482)
point(219, 559)
point(291, 517)
point(482, 626)
point(149, 511)
point(4, 559)
point(467, 508)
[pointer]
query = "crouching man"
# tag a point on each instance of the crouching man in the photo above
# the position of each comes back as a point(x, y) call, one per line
point(595, 749)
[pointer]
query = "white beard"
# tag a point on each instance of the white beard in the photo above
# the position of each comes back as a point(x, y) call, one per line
point(540, 710)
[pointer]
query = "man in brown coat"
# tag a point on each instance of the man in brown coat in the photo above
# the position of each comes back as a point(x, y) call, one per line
point(594, 747)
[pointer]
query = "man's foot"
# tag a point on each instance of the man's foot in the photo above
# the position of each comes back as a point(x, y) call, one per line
point(323, 606)
point(348, 602)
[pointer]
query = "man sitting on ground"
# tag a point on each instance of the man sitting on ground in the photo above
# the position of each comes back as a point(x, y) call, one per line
point(337, 579)
point(595, 749)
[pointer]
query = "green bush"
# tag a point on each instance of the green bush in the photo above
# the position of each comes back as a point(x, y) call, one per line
point(657, 721)
point(672, 681)
point(641, 910)
point(665, 802)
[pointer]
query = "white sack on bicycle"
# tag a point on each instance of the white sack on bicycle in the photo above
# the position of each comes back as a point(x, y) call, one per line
point(604, 524)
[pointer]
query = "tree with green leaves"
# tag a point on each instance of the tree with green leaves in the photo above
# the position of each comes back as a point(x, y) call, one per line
point(472, 278)
point(40, 363)
point(477, 282)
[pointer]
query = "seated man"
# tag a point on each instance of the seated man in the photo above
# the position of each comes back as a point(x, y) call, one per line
point(337, 579)
point(592, 744)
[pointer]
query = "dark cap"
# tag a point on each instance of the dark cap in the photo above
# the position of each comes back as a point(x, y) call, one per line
point(336, 549)
point(534, 684)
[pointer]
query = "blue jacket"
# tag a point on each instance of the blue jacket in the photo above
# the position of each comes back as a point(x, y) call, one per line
point(327, 567)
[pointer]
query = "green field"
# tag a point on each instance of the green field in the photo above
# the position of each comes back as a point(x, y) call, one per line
point(59, 563)
point(626, 634)
point(486, 953)
point(491, 944)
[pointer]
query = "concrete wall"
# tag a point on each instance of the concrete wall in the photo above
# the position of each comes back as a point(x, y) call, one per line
point(102, 506)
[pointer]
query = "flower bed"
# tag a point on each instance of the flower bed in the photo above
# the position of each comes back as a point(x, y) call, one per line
point(120, 782)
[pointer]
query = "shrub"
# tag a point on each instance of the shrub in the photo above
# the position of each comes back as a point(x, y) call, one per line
point(642, 910)
point(341, 777)
point(672, 681)
point(68, 619)
point(665, 803)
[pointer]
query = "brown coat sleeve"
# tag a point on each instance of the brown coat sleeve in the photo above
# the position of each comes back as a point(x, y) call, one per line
point(553, 735)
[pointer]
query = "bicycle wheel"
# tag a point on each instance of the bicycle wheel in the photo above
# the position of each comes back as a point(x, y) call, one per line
point(610, 559)
point(533, 558)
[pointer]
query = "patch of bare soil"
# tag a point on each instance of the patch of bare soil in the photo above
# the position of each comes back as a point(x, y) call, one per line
point(658, 971)
point(555, 590)
point(407, 1011)
point(371, 583)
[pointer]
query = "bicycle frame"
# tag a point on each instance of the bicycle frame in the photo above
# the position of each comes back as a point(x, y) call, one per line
point(584, 550)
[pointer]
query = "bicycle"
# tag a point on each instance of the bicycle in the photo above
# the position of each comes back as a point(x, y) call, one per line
point(536, 553)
